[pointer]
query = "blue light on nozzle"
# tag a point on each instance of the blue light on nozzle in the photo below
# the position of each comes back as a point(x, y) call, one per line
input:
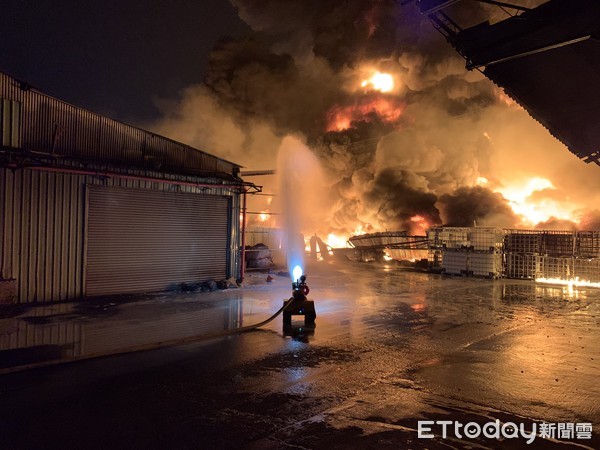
point(296, 273)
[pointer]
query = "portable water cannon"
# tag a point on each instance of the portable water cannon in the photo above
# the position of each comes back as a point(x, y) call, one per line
point(300, 289)
point(299, 305)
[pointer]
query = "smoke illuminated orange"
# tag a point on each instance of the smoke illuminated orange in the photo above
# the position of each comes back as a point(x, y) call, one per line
point(340, 118)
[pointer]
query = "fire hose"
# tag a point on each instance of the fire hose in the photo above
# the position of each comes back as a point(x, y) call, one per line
point(150, 346)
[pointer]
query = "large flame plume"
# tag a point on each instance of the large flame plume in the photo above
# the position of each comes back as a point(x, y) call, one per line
point(340, 118)
point(405, 136)
point(382, 82)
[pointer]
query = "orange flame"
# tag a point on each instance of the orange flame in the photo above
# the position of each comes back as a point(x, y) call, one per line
point(382, 82)
point(340, 118)
point(335, 241)
point(532, 209)
point(574, 282)
point(419, 225)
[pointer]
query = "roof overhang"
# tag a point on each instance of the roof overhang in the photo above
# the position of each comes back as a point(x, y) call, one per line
point(548, 60)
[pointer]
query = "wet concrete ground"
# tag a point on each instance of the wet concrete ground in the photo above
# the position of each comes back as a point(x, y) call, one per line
point(390, 348)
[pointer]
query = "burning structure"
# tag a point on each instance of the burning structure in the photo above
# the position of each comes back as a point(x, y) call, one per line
point(398, 245)
point(406, 137)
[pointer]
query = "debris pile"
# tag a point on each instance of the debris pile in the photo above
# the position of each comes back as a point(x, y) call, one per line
point(259, 256)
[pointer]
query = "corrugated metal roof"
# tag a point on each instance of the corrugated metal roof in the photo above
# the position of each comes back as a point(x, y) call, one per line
point(548, 60)
point(60, 131)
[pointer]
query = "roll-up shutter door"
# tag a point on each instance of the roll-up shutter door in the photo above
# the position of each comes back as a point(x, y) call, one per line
point(149, 241)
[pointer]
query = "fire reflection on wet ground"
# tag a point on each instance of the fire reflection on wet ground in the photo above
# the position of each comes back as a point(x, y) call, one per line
point(390, 347)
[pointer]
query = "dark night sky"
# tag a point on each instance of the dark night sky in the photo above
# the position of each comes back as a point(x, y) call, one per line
point(114, 57)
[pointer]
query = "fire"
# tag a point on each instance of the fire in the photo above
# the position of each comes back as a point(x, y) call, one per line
point(575, 282)
point(263, 216)
point(358, 231)
point(382, 82)
point(419, 225)
point(335, 241)
point(531, 210)
point(340, 118)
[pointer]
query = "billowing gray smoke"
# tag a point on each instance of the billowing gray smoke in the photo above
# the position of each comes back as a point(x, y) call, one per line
point(476, 205)
point(438, 146)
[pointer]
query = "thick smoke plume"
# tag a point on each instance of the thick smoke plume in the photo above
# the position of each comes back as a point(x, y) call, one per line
point(445, 145)
point(468, 206)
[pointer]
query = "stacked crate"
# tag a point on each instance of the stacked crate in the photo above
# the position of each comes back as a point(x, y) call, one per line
point(559, 244)
point(587, 244)
point(467, 251)
point(525, 254)
point(522, 250)
point(565, 255)
point(557, 254)
point(587, 269)
point(586, 265)
point(522, 266)
point(455, 262)
point(486, 264)
point(443, 238)
point(557, 267)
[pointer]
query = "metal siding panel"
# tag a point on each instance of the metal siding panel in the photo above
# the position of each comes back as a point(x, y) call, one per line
point(186, 239)
point(15, 134)
point(57, 220)
point(6, 127)
point(78, 247)
point(50, 245)
point(15, 207)
point(72, 248)
point(90, 137)
point(5, 217)
point(40, 266)
point(34, 232)
point(64, 238)
point(42, 239)
point(235, 237)
point(23, 242)
point(5, 221)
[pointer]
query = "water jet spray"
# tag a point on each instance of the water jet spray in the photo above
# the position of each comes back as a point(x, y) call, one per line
point(297, 167)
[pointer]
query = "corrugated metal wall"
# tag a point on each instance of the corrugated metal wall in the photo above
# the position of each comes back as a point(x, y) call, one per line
point(54, 127)
point(42, 229)
point(42, 233)
point(10, 123)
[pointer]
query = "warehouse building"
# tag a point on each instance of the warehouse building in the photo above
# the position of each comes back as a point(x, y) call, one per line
point(90, 206)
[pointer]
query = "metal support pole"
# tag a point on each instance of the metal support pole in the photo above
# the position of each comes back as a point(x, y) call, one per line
point(243, 257)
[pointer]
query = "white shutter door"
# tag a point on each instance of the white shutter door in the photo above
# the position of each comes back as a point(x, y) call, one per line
point(148, 241)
